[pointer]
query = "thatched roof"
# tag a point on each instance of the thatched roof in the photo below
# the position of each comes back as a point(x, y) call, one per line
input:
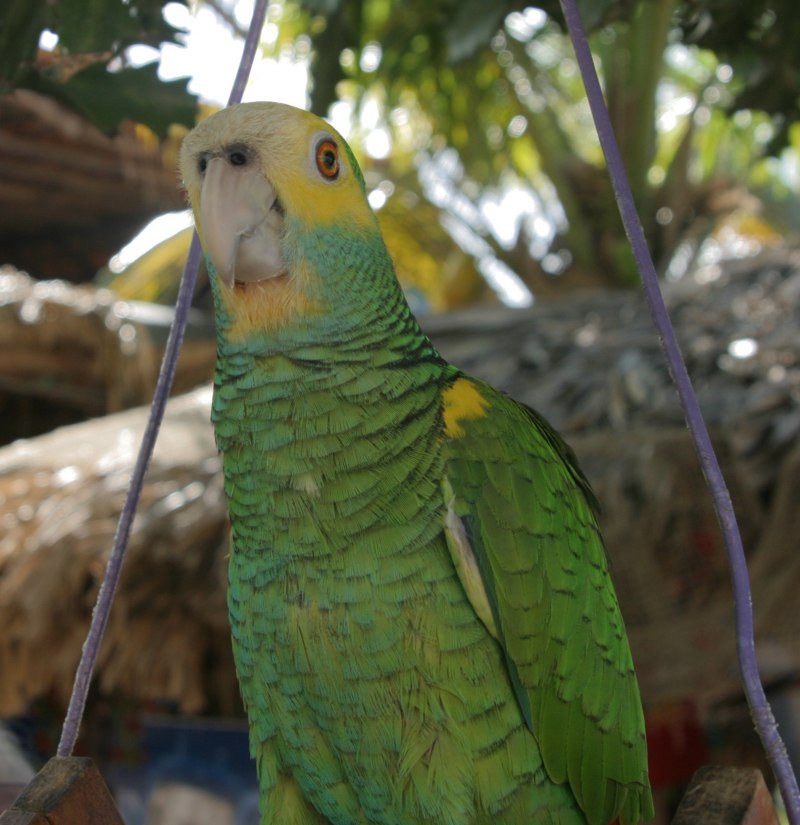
point(68, 353)
point(72, 196)
point(61, 495)
point(591, 364)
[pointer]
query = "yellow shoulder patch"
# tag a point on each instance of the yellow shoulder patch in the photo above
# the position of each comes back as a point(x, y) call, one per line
point(462, 402)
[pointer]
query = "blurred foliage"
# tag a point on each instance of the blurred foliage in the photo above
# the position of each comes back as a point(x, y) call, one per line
point(497, 84)
point(435, 273)
point(759, 40)
point(155, 276)
point(473, 125)
point(87, 69)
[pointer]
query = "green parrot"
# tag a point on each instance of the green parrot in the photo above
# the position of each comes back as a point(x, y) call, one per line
point(423, 623)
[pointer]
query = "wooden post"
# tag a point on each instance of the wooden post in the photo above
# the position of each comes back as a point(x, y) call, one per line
point(66, 791)
point(725, 796)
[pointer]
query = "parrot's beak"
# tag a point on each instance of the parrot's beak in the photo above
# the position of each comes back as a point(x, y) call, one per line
point(242, 223)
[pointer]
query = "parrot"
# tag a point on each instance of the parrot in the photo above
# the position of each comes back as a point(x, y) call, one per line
point(423, 622)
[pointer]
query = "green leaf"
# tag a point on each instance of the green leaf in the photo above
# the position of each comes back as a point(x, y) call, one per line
point(342, 30)
point(596, 13)
point(326, 8)
point(109, 25)
point(472, 27)
point(108, 98)
point(21, 22)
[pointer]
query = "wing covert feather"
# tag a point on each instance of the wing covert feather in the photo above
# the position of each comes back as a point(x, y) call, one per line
point(529, 516)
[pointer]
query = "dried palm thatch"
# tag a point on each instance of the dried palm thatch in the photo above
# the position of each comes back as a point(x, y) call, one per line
point(60, 496)
point(668, 560)
point(68, 352)
point(73, 196)
point(776, 568)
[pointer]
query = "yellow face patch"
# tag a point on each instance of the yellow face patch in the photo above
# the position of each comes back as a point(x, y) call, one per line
point(317, 203)
point(462, 402)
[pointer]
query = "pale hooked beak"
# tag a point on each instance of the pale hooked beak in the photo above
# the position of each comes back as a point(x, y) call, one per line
point(242, 223)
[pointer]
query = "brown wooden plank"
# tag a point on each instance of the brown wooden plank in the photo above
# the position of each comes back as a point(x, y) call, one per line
point(66, 791)
point(726, 796)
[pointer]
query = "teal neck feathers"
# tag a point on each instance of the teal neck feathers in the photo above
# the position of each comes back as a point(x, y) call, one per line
point(328, 428)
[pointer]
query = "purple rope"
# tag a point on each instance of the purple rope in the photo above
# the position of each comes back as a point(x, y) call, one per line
point(754, 691)
point(248, 52)
point(102, 609)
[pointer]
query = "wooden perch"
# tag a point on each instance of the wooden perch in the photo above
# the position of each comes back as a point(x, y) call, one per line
point(66, 791)
point(725, 796)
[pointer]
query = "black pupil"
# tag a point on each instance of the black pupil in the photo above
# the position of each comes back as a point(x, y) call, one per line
point(329, 158)
point(202, 165)
point(237, 158)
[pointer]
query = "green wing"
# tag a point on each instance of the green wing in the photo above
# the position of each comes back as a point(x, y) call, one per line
point(521, 512)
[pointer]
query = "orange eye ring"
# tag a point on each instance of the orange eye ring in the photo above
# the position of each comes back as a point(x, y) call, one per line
point(327, 156)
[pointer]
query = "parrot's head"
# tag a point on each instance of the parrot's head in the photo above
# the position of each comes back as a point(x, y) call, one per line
point(281, 210)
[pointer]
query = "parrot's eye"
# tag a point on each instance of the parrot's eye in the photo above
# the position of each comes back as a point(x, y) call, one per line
point(237, 157)
point(202, 163)
point(327, 156)
point(236, 154)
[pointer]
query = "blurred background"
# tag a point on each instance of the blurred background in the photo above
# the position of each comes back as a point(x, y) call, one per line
point(482, 162)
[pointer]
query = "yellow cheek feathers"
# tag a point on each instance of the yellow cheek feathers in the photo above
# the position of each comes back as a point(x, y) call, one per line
point(317, 203)
point(462, 402)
